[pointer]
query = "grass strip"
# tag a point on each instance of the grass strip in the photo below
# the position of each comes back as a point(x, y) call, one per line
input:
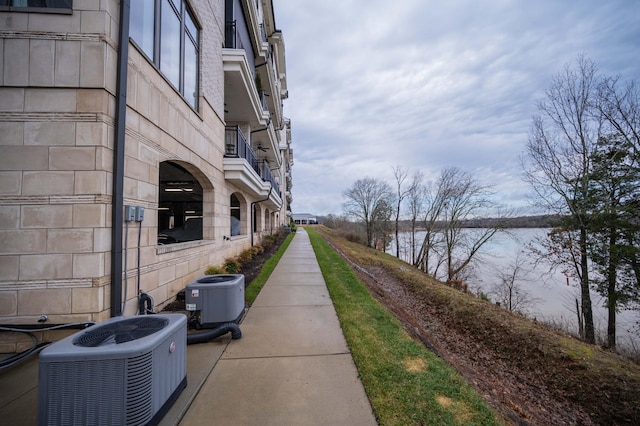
point(406, 383)
point(258, 282)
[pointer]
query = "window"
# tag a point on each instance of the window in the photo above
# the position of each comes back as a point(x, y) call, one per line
point(166, 32)
point(141, 24)
point(180, 205)
point(51, 6)
point(235, 215)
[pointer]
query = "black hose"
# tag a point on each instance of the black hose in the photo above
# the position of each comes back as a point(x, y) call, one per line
point(16, 358)
point(143, 299)
point(206, 336)
point(28, 329)
point(24, 328)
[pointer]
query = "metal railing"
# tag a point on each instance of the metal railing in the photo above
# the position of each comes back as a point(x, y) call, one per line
point(232, 40)
point(230, 35)
point(263, 34)
point(236, 146)
point(263, 100)
point(267, 176)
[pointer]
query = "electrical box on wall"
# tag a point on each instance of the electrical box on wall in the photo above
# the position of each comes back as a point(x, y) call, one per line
point(133, 213)
point(139, 216)
point(129, 213)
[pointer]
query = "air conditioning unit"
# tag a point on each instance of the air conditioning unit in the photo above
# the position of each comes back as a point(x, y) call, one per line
point(126, 370)
point(216, 299)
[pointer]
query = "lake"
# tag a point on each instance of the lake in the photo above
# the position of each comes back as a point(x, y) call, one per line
point(552, 295)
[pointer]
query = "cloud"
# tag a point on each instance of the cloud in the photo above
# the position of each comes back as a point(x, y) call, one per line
point(430, 84)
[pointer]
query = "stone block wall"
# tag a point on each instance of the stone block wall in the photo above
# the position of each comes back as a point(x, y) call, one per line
point(57, 118)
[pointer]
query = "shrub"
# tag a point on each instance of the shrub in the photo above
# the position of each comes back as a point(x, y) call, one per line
point(245, 256)
point(231, 266)
point(214, 270)
point(268, 241)
point(483, 296)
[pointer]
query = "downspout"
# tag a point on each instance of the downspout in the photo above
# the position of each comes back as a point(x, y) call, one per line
point(117, 201)
point(253, 212)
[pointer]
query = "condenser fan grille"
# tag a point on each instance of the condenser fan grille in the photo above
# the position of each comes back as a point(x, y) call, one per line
point(212, 279)
point(122, 331)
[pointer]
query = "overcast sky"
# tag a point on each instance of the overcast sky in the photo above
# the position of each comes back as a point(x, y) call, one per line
point(428, 84)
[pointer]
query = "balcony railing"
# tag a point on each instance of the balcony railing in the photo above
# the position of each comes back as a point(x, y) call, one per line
point(263, 34)
point(230, 37)
point(263, 100)
point(236, 146)
point(268, 177)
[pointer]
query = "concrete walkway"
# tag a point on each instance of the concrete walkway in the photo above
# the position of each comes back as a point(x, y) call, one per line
point(292, 365)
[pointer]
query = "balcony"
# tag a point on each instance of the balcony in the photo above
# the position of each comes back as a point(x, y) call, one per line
point(268, 176)
point(242, 101)
point(266, 140)
point(245, 170)
point(245, 16)
point(232, 39)
point(236, 146)
point(241, 98)
point(263, 100)
point(263, 34)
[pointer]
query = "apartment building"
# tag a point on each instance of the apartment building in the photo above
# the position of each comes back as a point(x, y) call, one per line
point(129, 168)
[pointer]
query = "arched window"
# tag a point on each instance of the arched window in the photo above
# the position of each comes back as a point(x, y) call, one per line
point(179, 205)
point(235, 215)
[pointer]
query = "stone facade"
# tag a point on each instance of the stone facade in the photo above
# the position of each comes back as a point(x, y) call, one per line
point(57, 136)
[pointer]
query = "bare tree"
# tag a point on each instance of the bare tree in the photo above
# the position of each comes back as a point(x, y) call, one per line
point(400, 175)
point(415, 201)
point(429, 258)
point(557, 162)
point(454, 199)
point(363, 198)
point(508, 290)
point(620, 106)
point(465, 199)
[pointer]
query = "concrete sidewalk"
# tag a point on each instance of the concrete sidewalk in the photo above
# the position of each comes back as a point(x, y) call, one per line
point(292, 365)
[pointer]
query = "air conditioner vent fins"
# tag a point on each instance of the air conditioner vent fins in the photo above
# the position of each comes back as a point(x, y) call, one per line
point(139, 389)
point(121, 332)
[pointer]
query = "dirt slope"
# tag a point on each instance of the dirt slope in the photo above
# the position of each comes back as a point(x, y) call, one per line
point(531, 374)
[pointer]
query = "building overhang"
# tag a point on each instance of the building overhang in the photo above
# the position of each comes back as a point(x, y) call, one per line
point(239, 172)
point(268, 140)
point(241, 100)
